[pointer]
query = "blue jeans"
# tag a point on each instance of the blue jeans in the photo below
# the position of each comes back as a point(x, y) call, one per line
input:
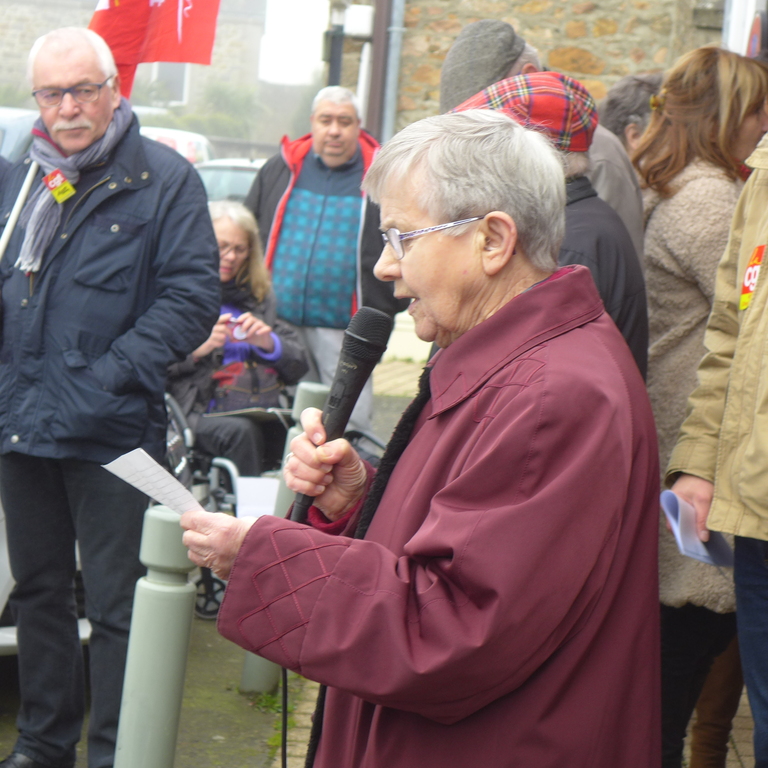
point(750, 574)
point(49, 504)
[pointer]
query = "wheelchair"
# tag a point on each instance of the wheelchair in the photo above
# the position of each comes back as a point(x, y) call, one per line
point(214, 480)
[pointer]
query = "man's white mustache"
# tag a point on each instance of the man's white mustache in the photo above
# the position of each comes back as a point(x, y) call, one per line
point(66, 125)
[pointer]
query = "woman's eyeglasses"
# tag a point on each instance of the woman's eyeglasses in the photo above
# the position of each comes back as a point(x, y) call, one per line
point(394, 237)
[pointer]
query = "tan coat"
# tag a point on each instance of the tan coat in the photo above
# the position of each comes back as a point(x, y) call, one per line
point(725, 439)
point(685, 236)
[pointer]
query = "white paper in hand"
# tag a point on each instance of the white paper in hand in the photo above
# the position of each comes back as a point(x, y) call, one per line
point(682, 520)
point(141, 471)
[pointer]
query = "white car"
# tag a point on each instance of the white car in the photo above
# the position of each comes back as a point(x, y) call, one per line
point(229, 178)
point(193, 146)
point(16, 131)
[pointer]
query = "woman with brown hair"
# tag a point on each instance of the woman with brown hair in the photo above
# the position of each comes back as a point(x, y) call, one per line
point(707, 119)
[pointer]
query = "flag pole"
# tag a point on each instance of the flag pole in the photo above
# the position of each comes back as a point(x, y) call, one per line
point(17, 206)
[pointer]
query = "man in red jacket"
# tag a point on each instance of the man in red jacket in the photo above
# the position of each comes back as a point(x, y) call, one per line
point(320, 232)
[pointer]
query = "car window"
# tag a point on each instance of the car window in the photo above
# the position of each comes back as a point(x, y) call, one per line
point(227, 183)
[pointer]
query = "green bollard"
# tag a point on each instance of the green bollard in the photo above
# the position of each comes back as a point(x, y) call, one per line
point(158, 646)
point(260, 675)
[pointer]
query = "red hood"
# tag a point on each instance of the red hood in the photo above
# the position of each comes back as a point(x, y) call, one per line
point(295, 151)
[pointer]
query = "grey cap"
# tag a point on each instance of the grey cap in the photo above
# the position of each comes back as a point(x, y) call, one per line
point(482, 54)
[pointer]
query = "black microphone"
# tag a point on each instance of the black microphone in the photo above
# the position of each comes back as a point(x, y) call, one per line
point(364, 343)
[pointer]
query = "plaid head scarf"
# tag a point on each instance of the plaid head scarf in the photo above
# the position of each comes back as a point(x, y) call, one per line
point(548, 101)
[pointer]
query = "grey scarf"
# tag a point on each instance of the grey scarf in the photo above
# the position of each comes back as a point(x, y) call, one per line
point(42, 214)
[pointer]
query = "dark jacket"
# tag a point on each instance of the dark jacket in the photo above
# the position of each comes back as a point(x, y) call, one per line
point(190, 381)
point(268, 198)
point(129, 284)
point(596, 237)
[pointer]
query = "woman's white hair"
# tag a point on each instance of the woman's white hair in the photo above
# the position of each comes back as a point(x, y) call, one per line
point(73, 37)
point(471, 163)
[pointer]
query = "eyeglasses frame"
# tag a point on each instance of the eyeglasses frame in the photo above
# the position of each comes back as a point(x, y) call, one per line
point(71, 90)
point(232, 248)
point(393, 237)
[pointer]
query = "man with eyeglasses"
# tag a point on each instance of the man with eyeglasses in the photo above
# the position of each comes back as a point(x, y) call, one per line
point(110, 274)
point(320, 233)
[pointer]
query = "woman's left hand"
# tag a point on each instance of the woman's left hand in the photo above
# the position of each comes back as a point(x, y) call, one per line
point(256, 332)
point(214, 539)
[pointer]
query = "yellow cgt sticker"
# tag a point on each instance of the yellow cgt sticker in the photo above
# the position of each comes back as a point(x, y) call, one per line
point(750, 276)
point(58, 186)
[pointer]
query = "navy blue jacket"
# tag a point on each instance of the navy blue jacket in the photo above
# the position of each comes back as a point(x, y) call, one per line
point(129, 285)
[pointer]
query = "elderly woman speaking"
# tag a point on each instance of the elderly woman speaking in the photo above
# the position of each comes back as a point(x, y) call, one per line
point(489, 597)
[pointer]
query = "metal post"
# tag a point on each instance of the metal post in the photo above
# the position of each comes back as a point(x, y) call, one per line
point(336, 36)
point(157, 647)
point(391, 89)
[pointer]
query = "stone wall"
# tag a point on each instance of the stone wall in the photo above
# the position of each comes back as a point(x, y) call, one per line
point(21, 23)
point(595, 41)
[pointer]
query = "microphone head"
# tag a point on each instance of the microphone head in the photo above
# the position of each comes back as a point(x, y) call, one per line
point(367, 335)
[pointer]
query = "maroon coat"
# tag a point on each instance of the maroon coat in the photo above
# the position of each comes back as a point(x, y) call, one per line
point(503, 608)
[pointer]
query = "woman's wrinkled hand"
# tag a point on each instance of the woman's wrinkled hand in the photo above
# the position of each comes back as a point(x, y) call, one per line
point(214, 539)
point(332, 473)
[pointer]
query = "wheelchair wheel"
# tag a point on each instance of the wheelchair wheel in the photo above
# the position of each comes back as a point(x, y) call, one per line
point(210, 593)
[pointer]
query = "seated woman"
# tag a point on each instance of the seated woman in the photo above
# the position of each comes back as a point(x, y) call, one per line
point(491, 598)
point(249, 356)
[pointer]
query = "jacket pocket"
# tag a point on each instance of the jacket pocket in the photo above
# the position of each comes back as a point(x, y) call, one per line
point(112, 250)
point(87, 411)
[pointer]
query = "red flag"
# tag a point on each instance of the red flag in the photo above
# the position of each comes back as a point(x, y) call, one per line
point(155, 30)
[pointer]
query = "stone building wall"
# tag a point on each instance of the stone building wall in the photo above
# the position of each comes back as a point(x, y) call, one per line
point(595, 41)
point(21, 23)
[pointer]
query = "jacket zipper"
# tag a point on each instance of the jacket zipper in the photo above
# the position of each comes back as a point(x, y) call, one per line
point(84, 197)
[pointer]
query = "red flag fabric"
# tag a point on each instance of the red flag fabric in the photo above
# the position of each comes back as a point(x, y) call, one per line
point(155, 30)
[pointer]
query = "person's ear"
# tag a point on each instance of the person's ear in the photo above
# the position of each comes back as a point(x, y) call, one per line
point(497, 240)
point(116, 96)
point(632, 134)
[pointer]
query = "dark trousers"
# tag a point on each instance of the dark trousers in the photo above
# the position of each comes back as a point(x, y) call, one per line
point(750, 574)
point(49, 504)
point(691, 638)
point(236, 438)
